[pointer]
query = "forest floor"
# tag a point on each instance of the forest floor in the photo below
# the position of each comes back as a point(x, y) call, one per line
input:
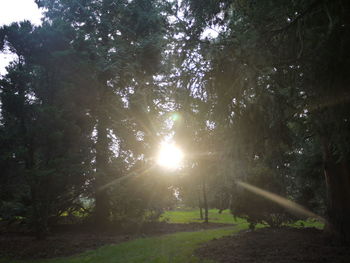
point(73, 240)
point(274, 245)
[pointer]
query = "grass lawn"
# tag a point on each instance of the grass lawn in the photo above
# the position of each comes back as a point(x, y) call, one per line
point(172, 248)
point(192, 216)
point(307, 223)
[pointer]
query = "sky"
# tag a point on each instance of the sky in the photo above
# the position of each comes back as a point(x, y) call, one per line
point(15, 11)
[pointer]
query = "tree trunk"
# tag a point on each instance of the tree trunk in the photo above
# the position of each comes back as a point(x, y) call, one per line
point(337, 178)
point(39, 216)
point(200, 205)
point(102, 205)
point(338, 201)
point(205, 202)
point(200, 208)
point(40, 205)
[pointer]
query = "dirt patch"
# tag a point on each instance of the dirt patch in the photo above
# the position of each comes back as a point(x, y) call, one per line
point(66, 241)
point(59, 245)
point(284, 245)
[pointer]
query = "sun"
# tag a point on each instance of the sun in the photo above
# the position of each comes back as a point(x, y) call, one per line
point(169, 156)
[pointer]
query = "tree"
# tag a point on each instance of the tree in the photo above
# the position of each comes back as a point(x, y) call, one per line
point(123, 40)
point(47, 137)
point(266, 74)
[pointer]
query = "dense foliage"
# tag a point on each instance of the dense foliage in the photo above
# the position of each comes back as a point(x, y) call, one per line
point(99, 84)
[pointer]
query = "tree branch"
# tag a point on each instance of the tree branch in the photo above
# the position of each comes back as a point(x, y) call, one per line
point(299, 17)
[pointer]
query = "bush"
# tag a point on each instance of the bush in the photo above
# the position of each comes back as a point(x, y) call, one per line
point(11, 211)
point(137, 200)
point(256, 208)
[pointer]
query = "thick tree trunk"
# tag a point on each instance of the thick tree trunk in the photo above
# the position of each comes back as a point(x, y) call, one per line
point(338, 201)
point(337, 178)
point(40, 205)
point(40, 215)
point(102, 204)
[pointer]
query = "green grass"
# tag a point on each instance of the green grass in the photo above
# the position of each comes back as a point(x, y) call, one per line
point(192, 216)
point(174, 248)
point(307, 223)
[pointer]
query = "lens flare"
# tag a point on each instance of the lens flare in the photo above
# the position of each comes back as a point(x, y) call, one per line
point(169, 156)
point(175, 116)
point(288, 204)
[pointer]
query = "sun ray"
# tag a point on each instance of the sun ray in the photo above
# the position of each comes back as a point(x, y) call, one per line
point(288, 204)
point(128, 176)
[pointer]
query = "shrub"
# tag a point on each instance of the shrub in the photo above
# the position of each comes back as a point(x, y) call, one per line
point(256, 208)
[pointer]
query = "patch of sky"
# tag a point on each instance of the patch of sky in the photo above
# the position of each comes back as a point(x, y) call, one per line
point(10, 13)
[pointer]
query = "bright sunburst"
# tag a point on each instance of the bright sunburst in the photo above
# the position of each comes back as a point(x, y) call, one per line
point(169, 156)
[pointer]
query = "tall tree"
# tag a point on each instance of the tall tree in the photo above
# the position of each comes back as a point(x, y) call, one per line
point(274, 65)
point(47, 135)
point(124, 41)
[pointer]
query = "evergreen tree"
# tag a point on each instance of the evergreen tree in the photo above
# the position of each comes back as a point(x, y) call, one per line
point(124, 41)
point(47, 136)
point(275, 66)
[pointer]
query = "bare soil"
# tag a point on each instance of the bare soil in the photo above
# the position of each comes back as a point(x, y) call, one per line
point(275, 245)
point(69, 240)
